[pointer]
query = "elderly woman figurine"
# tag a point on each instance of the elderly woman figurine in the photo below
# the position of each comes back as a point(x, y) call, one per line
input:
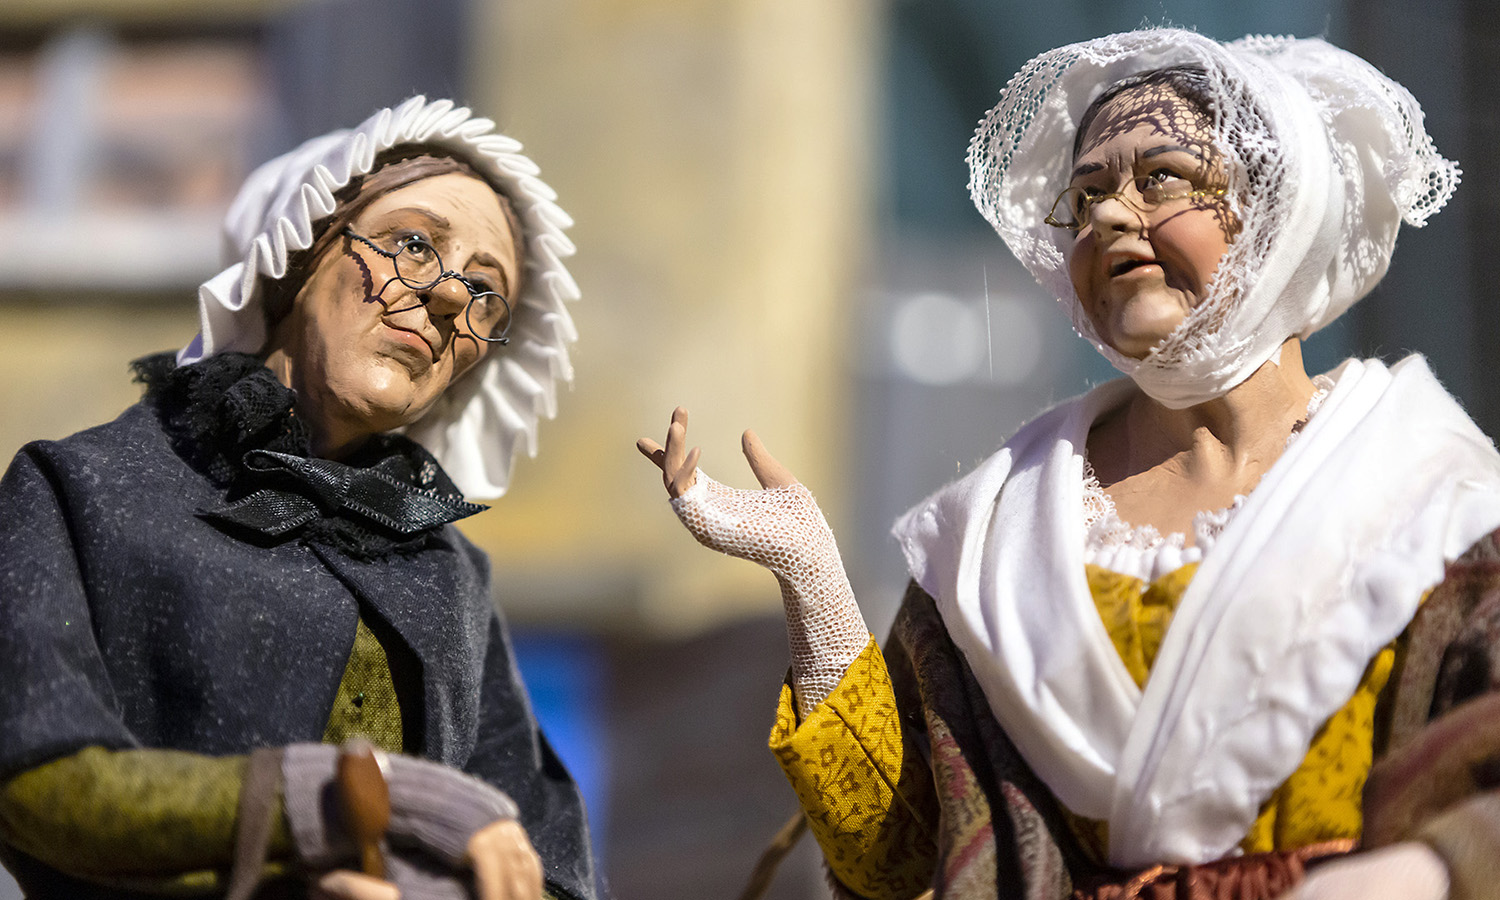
point(257, 561)
point(1217, 629)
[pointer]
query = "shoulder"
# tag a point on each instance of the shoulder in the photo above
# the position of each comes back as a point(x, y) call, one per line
point(122, 478)
point(132, 450)
point(135, 430)
point(474, 557)
point(1069, 421)
point(932, 524)
point(130, 440)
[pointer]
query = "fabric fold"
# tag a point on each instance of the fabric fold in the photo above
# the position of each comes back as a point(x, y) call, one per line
point(1325, 564)
point(299, 486)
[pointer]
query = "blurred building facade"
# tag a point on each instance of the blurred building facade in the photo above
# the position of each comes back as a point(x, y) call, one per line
point(715, 155)
point(773, 231)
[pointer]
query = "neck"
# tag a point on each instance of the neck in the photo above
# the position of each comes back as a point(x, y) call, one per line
point(1231, 440)
point(332, 436)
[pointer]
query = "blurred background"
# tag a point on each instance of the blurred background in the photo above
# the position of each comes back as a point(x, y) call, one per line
point(773, 230)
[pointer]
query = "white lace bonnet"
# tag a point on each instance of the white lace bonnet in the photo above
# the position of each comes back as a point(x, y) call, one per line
point(481, 421)
point(1341, 159)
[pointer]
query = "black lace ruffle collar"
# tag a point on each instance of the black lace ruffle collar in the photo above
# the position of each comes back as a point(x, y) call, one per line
point(231, 420)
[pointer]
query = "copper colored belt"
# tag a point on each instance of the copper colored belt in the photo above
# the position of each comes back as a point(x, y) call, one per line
point(1257, 876)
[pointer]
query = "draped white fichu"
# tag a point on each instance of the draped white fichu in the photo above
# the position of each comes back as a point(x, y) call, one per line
point(1323, 565)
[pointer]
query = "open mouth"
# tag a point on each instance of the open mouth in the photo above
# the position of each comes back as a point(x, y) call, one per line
point(1129, 265)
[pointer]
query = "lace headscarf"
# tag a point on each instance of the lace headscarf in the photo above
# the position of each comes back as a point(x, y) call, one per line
point(482, 420)
point(1325, 155)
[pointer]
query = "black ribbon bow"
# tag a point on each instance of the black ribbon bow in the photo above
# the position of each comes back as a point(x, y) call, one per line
point(293, 491)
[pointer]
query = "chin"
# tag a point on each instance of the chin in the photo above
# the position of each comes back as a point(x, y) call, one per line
point(387, 399)
point(1131, 349)
point(1139, 331)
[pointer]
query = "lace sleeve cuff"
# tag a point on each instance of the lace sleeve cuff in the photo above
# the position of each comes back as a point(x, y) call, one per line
point(848, 763)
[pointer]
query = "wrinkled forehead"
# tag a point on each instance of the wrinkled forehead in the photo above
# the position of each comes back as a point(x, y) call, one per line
point(1152, 112)
point(453, 197)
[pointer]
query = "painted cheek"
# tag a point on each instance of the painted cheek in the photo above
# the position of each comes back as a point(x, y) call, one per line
point(1081, 270)
point(1196, 244)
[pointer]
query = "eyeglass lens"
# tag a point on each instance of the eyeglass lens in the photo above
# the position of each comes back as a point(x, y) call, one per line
point(419, 266)
point(1073, 205)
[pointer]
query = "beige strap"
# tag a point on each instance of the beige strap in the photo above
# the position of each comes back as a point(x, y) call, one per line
point(781, 845)
point(252, 836)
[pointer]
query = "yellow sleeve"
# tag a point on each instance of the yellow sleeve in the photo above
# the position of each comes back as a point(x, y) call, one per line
point(861, 783)
point(161, 818)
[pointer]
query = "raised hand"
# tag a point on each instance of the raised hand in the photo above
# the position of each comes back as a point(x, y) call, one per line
point(676, 462)
point(781, 528)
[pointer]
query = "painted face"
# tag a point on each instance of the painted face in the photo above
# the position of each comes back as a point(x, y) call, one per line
point(367, 353)
point(1137, 269)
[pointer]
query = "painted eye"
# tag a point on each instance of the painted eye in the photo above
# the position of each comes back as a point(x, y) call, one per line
point(488, 303)
point(1163, 184)
point(417, 248)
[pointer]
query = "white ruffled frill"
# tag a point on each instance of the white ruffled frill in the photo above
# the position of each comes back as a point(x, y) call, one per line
point(490, 414)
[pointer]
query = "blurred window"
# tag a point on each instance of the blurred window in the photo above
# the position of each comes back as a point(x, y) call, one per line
point(118, 156)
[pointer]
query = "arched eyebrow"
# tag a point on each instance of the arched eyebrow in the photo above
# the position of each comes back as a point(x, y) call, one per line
point(437, 220)
point(484, 259)
point(1170, 148)
point(1149, 152)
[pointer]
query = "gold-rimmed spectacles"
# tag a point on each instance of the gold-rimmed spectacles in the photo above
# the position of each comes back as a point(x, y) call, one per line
point(1072, 208)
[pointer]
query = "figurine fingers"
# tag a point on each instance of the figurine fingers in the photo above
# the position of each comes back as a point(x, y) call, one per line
point(676, 450)
point(652, 451)
point(769, 472)
point(684, 476)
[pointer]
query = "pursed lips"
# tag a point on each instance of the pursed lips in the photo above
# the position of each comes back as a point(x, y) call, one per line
point(413, 337)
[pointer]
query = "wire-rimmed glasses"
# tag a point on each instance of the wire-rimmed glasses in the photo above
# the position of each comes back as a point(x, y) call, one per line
point(419, 267)
point(1073, 206)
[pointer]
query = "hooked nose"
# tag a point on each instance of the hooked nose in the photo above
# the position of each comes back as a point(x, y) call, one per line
point(446, 299)
point(1112, 213)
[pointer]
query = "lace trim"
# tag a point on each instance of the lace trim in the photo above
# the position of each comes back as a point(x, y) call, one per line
point(1018, 161)
point(1142, 550)
point(219, 413)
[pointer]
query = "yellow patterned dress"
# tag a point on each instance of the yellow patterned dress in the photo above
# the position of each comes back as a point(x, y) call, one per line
point(871, 807)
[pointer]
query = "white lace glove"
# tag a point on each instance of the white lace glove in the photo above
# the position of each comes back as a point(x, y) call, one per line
point(782, 529)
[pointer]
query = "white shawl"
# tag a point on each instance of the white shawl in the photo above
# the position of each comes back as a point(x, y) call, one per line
point(1323, 566)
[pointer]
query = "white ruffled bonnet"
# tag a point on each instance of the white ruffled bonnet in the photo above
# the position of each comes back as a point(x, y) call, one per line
point(1341, 159)
point(484, 418)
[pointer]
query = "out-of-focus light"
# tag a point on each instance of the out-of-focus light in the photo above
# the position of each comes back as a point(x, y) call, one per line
point(937, 339)
point(1015, 340)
